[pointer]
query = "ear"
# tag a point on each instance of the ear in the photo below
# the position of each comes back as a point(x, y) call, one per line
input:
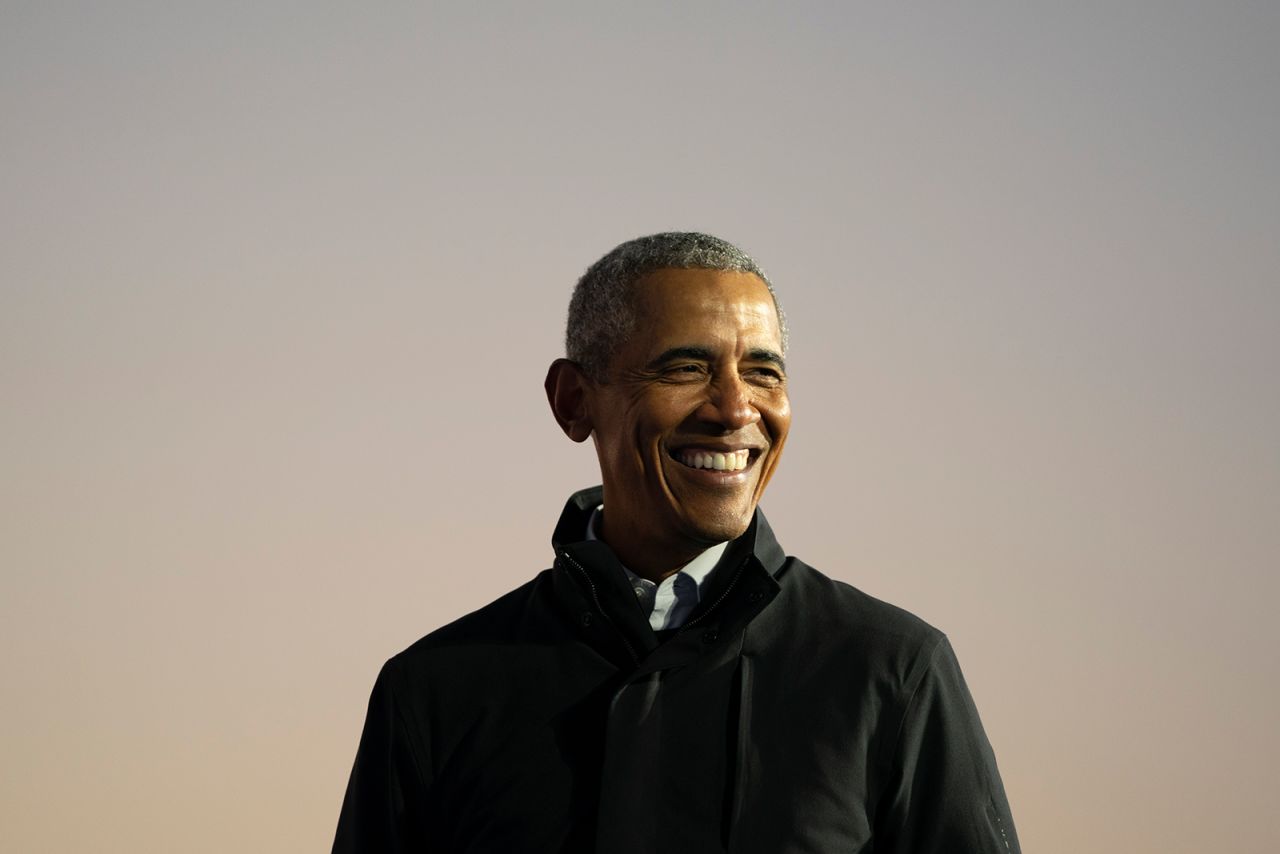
point(566, 387)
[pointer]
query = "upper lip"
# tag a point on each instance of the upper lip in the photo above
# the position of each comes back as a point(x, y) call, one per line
point(714, 447)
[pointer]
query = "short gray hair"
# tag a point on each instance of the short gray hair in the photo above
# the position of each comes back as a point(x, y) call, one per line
point(602, 312)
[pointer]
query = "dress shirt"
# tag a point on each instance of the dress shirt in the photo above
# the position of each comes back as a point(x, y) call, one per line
point(670, 603)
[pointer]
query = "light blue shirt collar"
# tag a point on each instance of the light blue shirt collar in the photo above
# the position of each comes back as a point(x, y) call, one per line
point(670, 603)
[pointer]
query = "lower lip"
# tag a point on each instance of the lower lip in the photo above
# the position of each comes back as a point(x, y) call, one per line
point(711, 477)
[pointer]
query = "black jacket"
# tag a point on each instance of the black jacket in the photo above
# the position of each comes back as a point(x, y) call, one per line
point(791, 713)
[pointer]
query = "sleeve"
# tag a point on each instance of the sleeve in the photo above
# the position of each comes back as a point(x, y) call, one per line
point(943, 790)
point(381, 812)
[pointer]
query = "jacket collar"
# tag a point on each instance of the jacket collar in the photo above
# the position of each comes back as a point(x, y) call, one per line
point(592, 590)
point(572, 529)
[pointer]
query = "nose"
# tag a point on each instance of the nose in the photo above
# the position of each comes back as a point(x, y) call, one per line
point(729, 404)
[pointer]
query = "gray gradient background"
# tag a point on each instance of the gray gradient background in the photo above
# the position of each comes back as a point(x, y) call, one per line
point(280, 284)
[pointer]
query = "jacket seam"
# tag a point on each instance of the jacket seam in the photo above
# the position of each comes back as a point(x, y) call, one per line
point(415, 750)
point(910, 702)
point(742, 749)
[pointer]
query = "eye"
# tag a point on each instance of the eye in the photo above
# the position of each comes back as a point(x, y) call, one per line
point(683, 372)
point(765, 376)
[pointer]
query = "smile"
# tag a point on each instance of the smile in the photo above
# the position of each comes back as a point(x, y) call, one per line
point(727, 461)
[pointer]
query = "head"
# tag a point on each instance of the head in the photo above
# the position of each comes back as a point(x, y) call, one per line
point(675, 371)
point(602, 311)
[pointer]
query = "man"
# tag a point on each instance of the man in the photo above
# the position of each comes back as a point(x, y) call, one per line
point(675, 682)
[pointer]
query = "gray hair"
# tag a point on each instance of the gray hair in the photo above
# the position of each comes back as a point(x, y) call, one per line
point(602, 312)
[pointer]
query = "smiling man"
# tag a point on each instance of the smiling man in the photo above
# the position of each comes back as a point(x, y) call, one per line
point(676, 682)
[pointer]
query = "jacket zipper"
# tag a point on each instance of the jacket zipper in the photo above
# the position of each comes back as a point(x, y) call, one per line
point(723, 595)
point(595, 597)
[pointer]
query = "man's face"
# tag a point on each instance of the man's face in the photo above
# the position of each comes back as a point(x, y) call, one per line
point(691, 421)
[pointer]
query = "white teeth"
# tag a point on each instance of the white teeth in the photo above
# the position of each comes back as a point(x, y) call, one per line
point(720, 461)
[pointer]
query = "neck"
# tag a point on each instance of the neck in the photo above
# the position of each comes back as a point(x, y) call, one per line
point(649, 559)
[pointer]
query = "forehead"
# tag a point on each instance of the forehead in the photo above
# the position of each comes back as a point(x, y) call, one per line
point(704, 305)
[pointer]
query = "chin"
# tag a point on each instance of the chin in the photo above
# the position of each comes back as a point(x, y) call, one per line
point(712, 531)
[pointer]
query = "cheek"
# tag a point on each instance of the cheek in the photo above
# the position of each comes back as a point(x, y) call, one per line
point(776, 414)
point(661, 416)
point(644, 434)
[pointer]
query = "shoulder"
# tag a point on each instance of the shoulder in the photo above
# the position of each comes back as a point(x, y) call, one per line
point(840, 606)
point(850, 625)
point(513, 618)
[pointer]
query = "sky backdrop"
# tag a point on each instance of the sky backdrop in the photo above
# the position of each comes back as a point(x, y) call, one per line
point(279, 283)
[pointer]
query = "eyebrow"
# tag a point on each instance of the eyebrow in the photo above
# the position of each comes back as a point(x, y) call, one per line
point(760, 355)
point(702, 354)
